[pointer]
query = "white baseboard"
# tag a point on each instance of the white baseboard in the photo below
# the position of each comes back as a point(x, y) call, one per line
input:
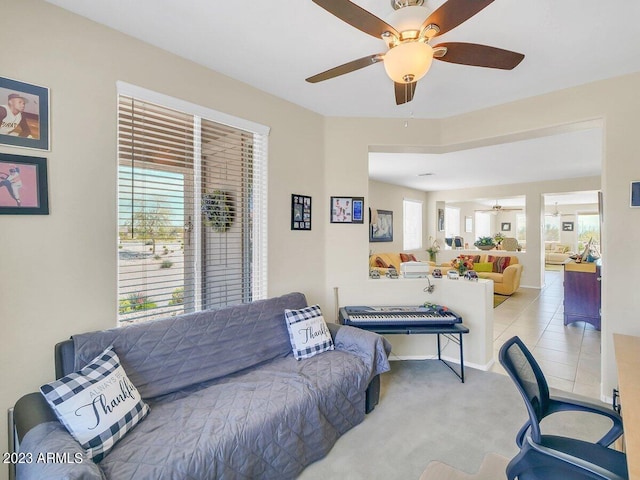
point(484, 368)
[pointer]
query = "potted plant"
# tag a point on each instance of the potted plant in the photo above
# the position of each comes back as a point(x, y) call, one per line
point(433, 249)
point(485, 243)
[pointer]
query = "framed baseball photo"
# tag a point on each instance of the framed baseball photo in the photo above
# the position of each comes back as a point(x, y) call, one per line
point(23, 185)
point(24, 114)
point(347, 209)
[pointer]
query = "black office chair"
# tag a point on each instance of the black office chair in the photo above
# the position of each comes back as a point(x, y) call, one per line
point(550, 456)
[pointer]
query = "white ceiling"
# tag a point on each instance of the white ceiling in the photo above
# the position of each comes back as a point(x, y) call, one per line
point(561, 156)
point(275, 45)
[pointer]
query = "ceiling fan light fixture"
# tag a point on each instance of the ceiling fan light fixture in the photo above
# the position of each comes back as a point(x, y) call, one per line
point(408, 18)
point(408, 61)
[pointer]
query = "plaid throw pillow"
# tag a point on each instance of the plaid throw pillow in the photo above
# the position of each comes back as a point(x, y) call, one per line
point(499, 263)
point(308, 332)
point(98, 404)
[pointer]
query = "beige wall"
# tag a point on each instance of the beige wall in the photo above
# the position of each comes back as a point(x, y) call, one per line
point(614, 104)
point(58, 272)
point(384, 196)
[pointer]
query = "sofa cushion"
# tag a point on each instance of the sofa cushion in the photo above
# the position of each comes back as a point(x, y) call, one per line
point(98, 404)
point(483, 267)
point(308, 332)
point(408, 257)
point(499, 263)
point(381, 263)
point(473, 258)
point(266, 422)
point(496, 277)
point(163, 356)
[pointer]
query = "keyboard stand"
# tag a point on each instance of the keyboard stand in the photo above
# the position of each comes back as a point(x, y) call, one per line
point(451, 332)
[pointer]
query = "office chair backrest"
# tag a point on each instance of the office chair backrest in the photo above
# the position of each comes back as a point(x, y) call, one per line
point(517, 360)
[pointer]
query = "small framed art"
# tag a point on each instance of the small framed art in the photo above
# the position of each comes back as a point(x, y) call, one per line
point(23, 185)
point(300, 212)
point(381, 228)
point(567, 226)
point(505, 226)
point(24, 114)
point(347, 209)
point(634, 195)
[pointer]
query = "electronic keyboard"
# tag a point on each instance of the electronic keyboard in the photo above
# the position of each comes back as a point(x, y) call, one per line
point(365, 316)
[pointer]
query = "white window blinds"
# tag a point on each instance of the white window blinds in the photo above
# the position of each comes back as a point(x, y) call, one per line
point(411, 224)
point(191, 212)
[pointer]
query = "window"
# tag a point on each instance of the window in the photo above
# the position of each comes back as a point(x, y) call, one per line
point(451, 222)
point(552, 228)
point(521, 227)
point(191, 207)
point(483, 224)
point(589, 227)
point(411, 224)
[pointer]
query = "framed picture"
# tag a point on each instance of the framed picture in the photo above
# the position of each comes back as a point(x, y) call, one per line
point(567, 226)
point(505, 226)
point(24, 114)
point(347, 209)
point(23, 185)
point(381, 228)
point(634, 196)
point(441, 219)
point(468, 224)
point(300, 212)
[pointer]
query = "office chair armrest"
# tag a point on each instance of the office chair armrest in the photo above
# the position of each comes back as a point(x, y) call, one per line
point(560, 404)
point(575, 461)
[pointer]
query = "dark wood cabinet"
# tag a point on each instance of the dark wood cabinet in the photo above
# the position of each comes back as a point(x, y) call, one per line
point(582, 293)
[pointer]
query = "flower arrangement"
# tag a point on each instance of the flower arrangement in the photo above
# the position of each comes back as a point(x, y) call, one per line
point(433, 249)
point(462, 264)
point(484, 242)
point(498, 237)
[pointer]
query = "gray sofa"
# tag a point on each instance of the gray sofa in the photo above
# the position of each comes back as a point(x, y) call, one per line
point(228, 400)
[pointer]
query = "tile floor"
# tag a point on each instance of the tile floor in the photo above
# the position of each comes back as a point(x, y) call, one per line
point(569, 356)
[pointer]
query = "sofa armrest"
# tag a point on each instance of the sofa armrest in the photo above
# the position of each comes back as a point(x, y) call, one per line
point(511, 276)
point(54, 453)
point(41, 435)
point(372, 348)
point(31, 410)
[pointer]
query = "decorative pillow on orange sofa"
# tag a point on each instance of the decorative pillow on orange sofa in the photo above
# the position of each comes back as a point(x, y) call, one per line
point(381, 263)
point(408, 257)
point(499, 263)
point(483, 267)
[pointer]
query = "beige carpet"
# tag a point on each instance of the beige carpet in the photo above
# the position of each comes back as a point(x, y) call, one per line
point(493, 467)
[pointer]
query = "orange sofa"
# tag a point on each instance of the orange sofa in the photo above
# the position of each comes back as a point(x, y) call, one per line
point(382, 261)
point(506, 280)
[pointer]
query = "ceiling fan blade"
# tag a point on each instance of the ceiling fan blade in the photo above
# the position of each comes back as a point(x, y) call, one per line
point(479, 55)
point(454, 12)
point(357, 17)
point(404, 92)
point(346, 68)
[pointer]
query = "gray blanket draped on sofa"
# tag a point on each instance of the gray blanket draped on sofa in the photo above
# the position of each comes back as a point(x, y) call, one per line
point(227, 398)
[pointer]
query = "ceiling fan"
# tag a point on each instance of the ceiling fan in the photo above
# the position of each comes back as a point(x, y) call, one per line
point(409, 53)
point(497, 208)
